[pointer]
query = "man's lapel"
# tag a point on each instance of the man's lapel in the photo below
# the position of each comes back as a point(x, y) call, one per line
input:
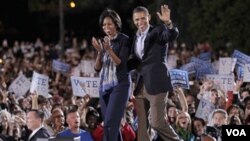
point(146, 42)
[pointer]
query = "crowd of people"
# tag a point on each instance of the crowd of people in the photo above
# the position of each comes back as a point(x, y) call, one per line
point(136, 99)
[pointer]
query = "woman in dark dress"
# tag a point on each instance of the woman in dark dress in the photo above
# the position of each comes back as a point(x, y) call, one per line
point(111, 61)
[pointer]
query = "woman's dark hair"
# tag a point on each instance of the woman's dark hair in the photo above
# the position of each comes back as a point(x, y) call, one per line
point(92, 112)
point(231, 107)
point(113, 16)
point(197, 119)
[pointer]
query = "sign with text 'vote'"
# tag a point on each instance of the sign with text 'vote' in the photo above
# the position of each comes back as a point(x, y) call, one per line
point(20, 85)
point(205, 108)
point(246, 74)
point(40, 84)
point(224, 82)
point(85, 85)
point(226, 65)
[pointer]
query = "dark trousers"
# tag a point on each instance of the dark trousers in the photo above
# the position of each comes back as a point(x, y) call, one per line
point(113, 104)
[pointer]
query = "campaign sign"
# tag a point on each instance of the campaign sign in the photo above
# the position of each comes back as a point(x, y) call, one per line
point(40, 84)
point(226, 65)
point(85, 85)
point(203, 70)
point(240, 72)
point(235, 132)
point(20, 85)
point(205, 56)
point(246, 75)
point(179, 78)
point(205, 108)
point(198, 62)
point(61, 67)
point(189, 67)
point(225, 82)
point(242, 58)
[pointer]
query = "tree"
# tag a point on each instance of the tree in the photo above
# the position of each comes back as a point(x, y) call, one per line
point(221, 22)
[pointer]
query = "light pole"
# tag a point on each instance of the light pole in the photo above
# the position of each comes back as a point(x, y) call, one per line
point(61, 24)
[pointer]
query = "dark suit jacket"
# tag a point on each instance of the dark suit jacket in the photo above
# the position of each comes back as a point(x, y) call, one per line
point(41, 133)
point(152, 68)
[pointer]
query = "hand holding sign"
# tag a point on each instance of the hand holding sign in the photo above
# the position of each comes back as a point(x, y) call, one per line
point(238, 85)
point(178, 90)
point(34, 96)
point(181, 98)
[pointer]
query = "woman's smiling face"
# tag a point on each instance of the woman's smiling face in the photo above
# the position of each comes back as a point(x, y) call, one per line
point(109, 27)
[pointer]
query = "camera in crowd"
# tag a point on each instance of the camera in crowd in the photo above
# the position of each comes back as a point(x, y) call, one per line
point(214, 131)
point(233, 121)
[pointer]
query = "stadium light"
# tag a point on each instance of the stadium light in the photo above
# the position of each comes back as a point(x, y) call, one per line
point(72, 4)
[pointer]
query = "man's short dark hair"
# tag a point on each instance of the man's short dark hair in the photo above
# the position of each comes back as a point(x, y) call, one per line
point(141, 9)
point(72, 109)
point(38, 113)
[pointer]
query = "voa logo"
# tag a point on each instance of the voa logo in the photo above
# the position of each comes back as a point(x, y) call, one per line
point(236, 132)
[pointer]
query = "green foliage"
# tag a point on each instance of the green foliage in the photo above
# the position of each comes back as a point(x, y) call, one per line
point(43, 6)
point(217, 21)
point(221, 22)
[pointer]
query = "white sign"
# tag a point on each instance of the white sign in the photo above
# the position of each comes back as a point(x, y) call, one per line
point(224, 82)
point(246, 75)
point(40, 84)
point(205, 108)
point(20, 85)
point(171, 61)
point(85, 85)
point(226, 65)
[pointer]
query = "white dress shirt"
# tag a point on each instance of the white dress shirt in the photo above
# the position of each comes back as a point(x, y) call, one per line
point(140, 38)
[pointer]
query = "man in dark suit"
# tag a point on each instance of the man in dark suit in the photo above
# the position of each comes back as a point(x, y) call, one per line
point(148, 57)
point(34, 123)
